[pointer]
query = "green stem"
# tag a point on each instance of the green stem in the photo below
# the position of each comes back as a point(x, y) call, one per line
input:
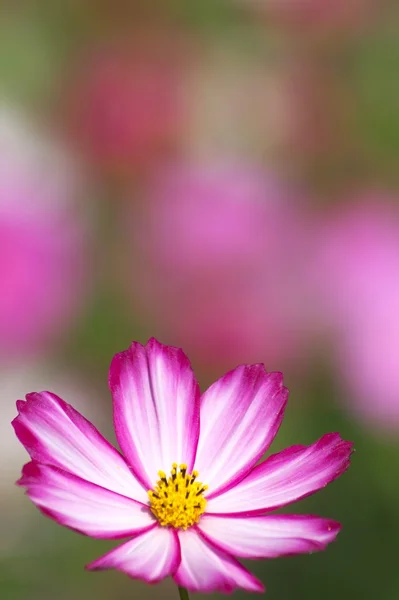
point(183, 593)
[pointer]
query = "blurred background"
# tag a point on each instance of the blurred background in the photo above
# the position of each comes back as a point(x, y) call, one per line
point(222, 175)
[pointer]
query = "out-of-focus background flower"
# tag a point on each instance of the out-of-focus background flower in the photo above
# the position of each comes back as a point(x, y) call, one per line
point(222, 175)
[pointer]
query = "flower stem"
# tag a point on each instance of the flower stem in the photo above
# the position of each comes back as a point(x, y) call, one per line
point(183, 593)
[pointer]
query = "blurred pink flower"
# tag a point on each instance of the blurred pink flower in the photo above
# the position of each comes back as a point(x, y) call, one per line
point(225, 253)
point(42, 249)
point(359, 276)
point(126, 103)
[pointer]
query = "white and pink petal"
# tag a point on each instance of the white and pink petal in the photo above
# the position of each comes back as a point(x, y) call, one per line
point(240, 416)
point(54, 433)
point(150, 556)
point(156, 408)
point(286, 477)
point(269, 536)
point(83, 506)
point(206, 568)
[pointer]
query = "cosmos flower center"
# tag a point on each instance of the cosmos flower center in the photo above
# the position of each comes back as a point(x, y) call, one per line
point(178, 501)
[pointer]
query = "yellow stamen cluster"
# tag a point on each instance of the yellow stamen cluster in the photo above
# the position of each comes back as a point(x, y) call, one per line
point(178, 501)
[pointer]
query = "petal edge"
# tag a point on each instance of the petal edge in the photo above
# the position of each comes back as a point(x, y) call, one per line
point(285, 477)
point(83, 506)
point(206, 568)
point(156, 408)
point(151, 556)
point(240, 416)
point(269, 536)
point(54, 433)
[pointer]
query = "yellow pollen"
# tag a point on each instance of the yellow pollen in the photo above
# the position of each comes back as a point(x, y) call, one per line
point(178, 501)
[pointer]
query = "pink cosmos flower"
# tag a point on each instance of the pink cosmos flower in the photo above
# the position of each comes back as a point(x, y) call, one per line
point(187, 493)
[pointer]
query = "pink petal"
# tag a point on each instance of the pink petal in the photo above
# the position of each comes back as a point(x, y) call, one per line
point(285, 477)
point(270, 536)
point(156, 408)
point(81, 505)
point(55, 433)
point(151, 556)
point(240, 416)
point(206, 568)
